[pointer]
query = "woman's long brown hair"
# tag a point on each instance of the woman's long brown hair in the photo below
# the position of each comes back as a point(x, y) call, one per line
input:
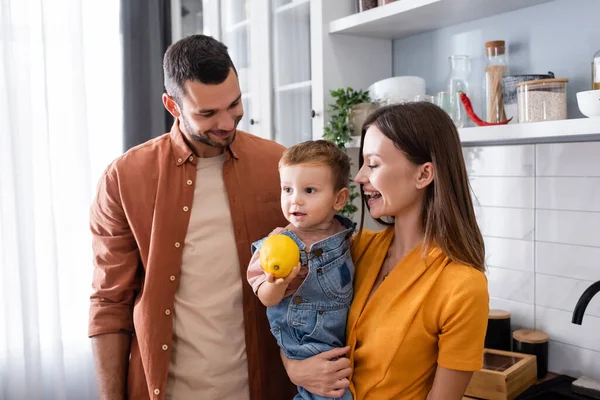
point(425, 133)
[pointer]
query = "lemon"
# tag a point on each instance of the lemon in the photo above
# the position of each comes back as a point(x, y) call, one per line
point(279, 254)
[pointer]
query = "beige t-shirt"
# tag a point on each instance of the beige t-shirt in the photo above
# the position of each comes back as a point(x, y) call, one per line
point(209, 350)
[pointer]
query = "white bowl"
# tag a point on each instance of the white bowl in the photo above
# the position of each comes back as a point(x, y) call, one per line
point(589, 103)
point(397, 88)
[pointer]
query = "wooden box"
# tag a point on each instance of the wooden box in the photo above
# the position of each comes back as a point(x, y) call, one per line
point(504, 375)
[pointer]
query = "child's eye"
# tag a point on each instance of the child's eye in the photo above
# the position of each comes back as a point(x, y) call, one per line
point(310, 190)
point(287, 189)
point(372, 166)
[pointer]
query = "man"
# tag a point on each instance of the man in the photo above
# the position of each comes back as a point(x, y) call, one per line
point(172, 224)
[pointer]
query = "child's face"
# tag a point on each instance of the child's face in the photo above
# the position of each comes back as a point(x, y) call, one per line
point(308, 197)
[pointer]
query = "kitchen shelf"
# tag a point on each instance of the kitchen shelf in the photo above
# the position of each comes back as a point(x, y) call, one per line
point(569, 130)
point(291, 6)
point(404, 18)
point(293, 86)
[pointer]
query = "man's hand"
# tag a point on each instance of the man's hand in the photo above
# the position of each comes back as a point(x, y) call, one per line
point(325, 374)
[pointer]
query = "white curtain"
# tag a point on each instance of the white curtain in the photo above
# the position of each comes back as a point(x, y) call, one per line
point(60, 125)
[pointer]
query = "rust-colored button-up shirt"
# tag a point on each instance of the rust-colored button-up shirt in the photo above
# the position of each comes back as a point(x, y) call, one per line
point(139, 220)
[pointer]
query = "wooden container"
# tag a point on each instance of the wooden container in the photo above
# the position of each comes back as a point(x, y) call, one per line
point(504, 375)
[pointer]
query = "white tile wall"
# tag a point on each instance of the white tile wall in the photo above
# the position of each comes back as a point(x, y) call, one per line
point(500, 191)
point(538, 207)
point(562, 293)
point(509, 223)
point(568, 159)
point(500, 160)
point(522, 316)
point(573, 360)
point(511, 285)
point(569, 194)
point(509, 253)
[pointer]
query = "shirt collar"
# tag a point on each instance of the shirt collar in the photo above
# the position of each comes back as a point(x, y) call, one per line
point(182, 151)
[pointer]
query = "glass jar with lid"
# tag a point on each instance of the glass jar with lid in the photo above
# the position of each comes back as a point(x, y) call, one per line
point(496, 68)
point(542, 100)
point(596, 71)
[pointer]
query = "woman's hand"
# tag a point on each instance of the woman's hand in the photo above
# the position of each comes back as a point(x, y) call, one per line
point(325, 374)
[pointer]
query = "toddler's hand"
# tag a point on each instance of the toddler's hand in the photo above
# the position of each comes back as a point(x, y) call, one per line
point(288, 279)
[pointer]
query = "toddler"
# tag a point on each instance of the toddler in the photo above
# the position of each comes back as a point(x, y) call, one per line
point(307, 310)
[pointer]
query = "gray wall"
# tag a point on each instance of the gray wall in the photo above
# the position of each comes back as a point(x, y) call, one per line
point(561, 36)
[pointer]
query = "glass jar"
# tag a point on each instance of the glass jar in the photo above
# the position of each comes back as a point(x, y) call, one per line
point(495, 69)
point(542, 100)
point(596, 71)
point(364, 5)
point(458, 81)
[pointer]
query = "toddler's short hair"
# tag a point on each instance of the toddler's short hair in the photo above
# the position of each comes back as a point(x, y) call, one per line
point(320, 152)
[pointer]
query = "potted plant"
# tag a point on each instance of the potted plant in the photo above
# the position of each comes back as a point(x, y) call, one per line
point(340, 127)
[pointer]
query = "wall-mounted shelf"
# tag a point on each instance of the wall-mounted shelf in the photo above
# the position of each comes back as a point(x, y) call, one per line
point(404, 18)
point(569, 130)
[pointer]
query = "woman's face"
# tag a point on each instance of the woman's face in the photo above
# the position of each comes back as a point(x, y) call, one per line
point(393, 185)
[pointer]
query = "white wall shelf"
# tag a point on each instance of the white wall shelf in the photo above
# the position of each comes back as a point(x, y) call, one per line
point(569, 130)
point(409, 17)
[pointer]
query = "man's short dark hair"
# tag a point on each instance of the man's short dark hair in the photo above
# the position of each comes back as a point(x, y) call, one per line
point(197, 58)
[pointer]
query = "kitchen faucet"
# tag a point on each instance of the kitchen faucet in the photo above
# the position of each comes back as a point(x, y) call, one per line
point(583, 302)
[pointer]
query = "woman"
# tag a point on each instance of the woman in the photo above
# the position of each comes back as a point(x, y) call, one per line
point(417, 323)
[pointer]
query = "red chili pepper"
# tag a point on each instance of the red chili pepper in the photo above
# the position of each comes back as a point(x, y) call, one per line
point(471, 113)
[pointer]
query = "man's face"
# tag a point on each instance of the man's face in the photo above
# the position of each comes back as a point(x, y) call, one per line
point(209, 114)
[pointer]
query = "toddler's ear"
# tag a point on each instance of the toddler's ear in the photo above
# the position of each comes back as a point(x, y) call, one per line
point(341, 199)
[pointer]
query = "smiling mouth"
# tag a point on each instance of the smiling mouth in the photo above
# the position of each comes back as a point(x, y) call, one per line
point(372, 194)
point(298, 214)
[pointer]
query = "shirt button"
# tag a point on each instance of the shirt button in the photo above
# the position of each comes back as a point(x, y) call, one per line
point(177, 244)
point(191, 158)
point(297, 300)
point(186, 208)
point(189, 182)
point(156, 392)
point(165, 347)
point(179, 160)
point(168, 312)
point(172, 278)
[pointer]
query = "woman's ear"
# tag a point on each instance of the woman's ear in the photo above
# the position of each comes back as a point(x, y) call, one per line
point(341, 198)
point(425, 175)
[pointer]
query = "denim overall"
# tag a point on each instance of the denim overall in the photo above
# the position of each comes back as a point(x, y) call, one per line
point(313, 319)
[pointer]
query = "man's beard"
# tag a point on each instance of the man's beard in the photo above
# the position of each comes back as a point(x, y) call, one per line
point(204, 138)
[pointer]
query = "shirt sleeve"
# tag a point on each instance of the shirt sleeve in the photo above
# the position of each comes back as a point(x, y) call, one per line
point(464, 323)
point(255, 274)
point(116, 278)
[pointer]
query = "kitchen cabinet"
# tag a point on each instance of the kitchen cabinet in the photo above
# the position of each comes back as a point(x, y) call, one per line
point(291, 53)
point(269, 43)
